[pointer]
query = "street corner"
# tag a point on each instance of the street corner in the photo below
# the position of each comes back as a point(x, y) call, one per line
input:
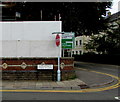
point(95, 79)
point(77, 85)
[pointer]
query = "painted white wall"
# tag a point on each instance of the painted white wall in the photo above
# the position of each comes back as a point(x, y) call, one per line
point(30, 39)
point(80, 48)
point(0, 40)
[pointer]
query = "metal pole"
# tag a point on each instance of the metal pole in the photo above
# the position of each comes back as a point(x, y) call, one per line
point(59, 17)
point(55, 18)
point(41, 14)
point(58, 71)
point(59, 55)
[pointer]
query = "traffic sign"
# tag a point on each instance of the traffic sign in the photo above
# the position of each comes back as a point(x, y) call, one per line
point(68, 40)
point(57, 40)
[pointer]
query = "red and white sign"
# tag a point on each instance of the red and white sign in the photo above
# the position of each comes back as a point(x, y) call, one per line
point(57, 40)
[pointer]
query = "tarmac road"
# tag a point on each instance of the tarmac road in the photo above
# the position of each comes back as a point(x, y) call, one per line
point(106, 95)
point(84, 75)
point(111, 69)
point(92, 78)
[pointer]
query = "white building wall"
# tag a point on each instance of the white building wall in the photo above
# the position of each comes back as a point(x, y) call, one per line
point(80, 48)
point(30, 39)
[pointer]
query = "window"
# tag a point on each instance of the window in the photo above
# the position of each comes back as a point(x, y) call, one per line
point(80, 42)
point(76, 43)
point(80, 52)
point(76, 52)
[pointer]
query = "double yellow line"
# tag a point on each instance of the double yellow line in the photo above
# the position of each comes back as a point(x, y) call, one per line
point(75, 91)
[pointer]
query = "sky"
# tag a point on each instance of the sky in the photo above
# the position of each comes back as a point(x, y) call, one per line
point(115, 7)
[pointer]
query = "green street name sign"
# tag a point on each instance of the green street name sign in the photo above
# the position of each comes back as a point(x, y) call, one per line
point(68, 40)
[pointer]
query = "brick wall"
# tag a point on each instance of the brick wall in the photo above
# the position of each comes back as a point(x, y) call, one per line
point(26, 68)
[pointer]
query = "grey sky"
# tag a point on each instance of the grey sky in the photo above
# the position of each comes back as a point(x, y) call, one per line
point(115, 8)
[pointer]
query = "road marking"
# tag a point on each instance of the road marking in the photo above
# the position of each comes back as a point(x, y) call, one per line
point(117, 98)
point(102, 73)
point(75, 91)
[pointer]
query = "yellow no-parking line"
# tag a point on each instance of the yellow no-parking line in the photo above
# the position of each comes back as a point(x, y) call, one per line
point(75, 91)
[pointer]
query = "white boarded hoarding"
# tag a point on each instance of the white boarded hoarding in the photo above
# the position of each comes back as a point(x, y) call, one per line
point(30, 39)
point(0, 40)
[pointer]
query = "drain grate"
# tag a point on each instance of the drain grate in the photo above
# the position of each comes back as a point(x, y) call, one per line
point(84, 86)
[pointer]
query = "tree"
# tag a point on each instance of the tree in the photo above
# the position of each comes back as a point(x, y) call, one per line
point(106, 43)
point(79, 17)
point(85, 18)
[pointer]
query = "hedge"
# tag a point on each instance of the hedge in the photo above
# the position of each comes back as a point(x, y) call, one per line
point(104, 59)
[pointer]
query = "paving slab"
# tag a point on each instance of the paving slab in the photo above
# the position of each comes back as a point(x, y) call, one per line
point(62, 85)
point(54, 84)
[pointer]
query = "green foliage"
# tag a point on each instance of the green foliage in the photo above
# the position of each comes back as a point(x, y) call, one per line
point(106, 43)
point(72, 77)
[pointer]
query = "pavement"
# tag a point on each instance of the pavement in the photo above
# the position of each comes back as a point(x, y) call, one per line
point(95, 80)
point(49, 85)
point(85, 79)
